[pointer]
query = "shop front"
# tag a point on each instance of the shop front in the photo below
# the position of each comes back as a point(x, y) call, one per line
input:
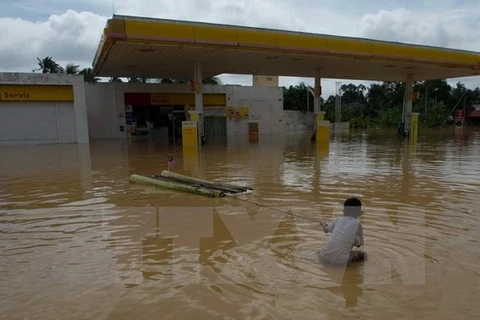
point(159, 116)
point(37, 114)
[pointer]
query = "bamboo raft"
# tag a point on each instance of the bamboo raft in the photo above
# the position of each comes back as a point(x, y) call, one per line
point(176, 181)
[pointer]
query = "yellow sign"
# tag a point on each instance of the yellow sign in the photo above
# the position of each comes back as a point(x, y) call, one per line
point(190, 157)
point(189, 133)
point(323, 132)
point(214, 99)
point(237, 112)
point(36, 93)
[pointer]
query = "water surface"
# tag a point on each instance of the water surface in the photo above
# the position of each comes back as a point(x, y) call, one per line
point(77, 240)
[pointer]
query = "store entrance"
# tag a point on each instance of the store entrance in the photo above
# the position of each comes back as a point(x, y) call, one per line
point(159, 123)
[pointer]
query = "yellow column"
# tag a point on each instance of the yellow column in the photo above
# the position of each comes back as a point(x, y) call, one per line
point(189, 133)
point(414, 127)
point(194, 116)
point(190, 144)
point(190, 158)
point(323, 132)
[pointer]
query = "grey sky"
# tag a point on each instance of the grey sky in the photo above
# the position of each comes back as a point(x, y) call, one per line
point(69, 30)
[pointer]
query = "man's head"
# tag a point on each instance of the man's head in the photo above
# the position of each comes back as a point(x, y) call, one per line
point(352, 207)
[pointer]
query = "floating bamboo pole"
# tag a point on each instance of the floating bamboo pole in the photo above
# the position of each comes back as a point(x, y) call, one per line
point(135, 178)
point(206, 183)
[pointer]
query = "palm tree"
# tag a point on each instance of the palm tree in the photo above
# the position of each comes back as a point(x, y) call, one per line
point(47, 65)
point(137, 80)
point(88, 75)
point(212, 80)
point(115, 79)
point(72, 68)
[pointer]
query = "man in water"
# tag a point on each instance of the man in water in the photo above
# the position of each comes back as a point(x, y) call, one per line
point(347, 232)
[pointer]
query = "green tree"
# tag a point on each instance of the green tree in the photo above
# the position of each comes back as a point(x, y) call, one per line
point(115, 79)
point(352, 93)
point(71, 68)
point(295, 98)
point(88, 75)
point(48, 65)
point(212, 80)
point(137, 80)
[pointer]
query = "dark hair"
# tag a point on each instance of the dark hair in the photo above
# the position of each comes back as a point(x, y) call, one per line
point(352, 207)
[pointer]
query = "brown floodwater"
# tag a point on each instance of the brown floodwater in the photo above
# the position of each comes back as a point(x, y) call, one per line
point(78, 241)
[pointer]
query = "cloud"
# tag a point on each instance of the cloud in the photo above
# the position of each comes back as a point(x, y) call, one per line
point(72, 35)
point(452, 29)
point(69, 37)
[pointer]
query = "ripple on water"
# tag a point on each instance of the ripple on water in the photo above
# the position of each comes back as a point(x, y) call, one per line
point(78, 243)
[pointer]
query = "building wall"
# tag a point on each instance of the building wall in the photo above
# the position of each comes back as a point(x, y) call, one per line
point(265, 81)
point(76, 81)
point(295, 121)
point(265, 106)
point(106, 106)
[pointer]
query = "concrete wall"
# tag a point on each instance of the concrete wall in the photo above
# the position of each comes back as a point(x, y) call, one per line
point(297, 121)
point(265, 106)
point(106, 106)
point(76, 81)
point(265, 81)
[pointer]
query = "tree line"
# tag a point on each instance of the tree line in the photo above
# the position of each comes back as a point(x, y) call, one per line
point(48, 65)
point(381, 104)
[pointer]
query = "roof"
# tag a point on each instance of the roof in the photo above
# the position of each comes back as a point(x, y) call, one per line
point(474, 114)
point(158, 48)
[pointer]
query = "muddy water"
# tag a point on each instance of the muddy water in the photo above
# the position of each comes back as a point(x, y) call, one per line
point(78, 241)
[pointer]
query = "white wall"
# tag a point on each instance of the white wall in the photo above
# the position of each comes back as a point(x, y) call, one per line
point(296, 121)
point(106, 106)
point(265, 106)
point(76, 81)
point(102, 116)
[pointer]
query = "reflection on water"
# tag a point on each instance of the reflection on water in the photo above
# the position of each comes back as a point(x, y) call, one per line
point(78, 240)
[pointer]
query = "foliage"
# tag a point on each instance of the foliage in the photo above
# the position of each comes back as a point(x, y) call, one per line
point(71, 69)
point(381, 104)
point(88, 75)
point(115, 79)
point(47, 65)
point(295, 98)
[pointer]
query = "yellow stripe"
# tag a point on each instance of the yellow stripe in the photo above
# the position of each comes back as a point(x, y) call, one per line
point(381, 49)
point(257, 37)
point(36, 93)
point(116, 26)
point(281, 41)
point(339, 45)
point(167, 30)
point(218, 34)
point(301, 41)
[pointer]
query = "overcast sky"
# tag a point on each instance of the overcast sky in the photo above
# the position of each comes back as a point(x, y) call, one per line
point(69, 30)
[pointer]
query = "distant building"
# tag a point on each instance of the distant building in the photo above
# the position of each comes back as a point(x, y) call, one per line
point(473, 117)
point(265, 81)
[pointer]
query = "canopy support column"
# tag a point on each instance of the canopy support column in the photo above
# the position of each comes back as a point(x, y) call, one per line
point(407, 115)
point(197, 88)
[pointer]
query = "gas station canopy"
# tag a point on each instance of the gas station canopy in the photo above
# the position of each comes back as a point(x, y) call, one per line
point(158, 48)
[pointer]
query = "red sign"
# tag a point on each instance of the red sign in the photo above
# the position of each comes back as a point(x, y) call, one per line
point(460, 116)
